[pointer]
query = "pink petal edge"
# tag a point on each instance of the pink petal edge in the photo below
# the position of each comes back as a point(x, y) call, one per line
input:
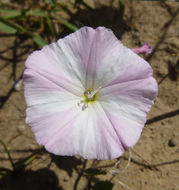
point(144, 49)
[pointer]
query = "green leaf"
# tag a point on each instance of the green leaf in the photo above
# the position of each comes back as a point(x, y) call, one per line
point(103, 185)
point(9, 13)
point(50, 25)
point(66, 23)
point(7, 28)
point(39, 40)
point(36, 13)
point(94, 171)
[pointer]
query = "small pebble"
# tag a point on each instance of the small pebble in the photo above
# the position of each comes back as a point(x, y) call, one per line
point(172, 142)
point(18, 85)
point(21, 127)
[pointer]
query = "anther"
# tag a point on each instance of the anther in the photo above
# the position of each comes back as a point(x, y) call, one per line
point(87, 92)
point(90, 96)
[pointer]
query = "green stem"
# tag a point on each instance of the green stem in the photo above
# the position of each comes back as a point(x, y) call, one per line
point(9, 156)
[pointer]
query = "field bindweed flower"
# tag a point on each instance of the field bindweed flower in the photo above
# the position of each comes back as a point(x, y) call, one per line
point(88, 95)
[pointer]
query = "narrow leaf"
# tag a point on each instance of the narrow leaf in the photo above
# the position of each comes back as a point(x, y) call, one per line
point(25, 162)
point(66, 23)
point(9, 13)
point(15, 26)
point(36, 13)
point(50, 25)
point(7, 28)
point(39, 41)
point(8, 154)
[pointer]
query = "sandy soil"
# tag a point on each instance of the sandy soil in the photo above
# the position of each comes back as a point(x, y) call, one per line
point(154, 161)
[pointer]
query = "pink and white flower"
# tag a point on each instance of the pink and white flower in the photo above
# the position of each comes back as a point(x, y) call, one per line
point(88, 95)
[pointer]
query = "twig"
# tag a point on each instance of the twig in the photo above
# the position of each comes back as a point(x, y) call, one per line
point(124, 185)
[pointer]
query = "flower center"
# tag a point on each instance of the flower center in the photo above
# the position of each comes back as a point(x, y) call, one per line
point(90, 96)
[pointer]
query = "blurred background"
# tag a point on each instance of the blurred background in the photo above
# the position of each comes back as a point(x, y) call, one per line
point(27, 25)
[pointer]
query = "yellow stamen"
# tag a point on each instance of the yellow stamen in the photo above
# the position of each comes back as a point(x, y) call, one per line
point(89, 96)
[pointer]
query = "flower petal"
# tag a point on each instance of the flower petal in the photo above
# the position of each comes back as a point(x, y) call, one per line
point(109, 144)
point(126, 105)
point(50, 108)
point(77, 137)
point(43, 97)
point(87, 59)
point(144, 49)
point(104, 53)
point(108, 61)
point(53, 63)
point(89, 135)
